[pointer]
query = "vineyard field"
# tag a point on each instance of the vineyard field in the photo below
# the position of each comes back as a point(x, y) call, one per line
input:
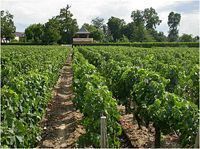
point(28, 74)
point(161, 83)
point(158, 86)
point(76, 79)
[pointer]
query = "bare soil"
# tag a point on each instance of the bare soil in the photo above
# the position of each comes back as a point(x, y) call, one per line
point(61, 127)
point(144, 138)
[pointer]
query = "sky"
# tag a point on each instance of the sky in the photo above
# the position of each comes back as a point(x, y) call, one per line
point(27, 12)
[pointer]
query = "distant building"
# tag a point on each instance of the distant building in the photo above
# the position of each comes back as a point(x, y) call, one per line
point(19, 36)
point(82, 37)
point(3, 40)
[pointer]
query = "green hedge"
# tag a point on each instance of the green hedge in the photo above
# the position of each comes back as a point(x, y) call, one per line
point(21, 43)
point(146, 44)
point(25, 43)
point(134, 44)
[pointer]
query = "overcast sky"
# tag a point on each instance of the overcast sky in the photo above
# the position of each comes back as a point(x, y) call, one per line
point(27, 12)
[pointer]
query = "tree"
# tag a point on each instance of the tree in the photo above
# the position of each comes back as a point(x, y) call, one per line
point(98, 22)
point(68, 25)
point(151, 18)
point(143, 25)
point(137, 33)
point(124, 39)
point(7, 26)
point(186, 38)
point(95, 33)
point(107, 34)
point(140, 33)
point(129, 31)
point(138, 18)
point(115, 26)
point(138, 21)
point(51, 31)
point(160, 37)
point(148, 36)
point(34, 33)
point(173, 22)
point(196, 39)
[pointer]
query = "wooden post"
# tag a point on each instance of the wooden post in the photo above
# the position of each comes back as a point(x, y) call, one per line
point(103, 132)
point(56, 88)
point(196, 145)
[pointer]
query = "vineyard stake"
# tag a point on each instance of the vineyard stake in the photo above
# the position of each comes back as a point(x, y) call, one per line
point(103, 132)
point(196, 145)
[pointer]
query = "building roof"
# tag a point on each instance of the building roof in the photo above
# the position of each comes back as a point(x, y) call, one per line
point(19, 34)
point(82, 31)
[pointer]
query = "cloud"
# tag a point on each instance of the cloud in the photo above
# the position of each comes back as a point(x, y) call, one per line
point(183, 7)
point(189, 24)
point(27, 12)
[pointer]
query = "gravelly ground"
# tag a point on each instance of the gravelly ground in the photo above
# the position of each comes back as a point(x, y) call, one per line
point(60, 125)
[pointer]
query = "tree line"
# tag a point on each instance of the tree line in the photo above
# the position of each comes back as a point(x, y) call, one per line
point(62, 28)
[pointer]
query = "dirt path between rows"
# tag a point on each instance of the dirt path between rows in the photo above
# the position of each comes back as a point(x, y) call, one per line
point(144, 138)
point(61, 124)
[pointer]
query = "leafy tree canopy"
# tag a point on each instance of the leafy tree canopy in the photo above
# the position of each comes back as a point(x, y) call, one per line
point(186, 38)
point(173, 22)
point(151, 18)
point(115, 26)
point(138, 17)
point(34, 33)
point(51, 31)
point(68, 25)
point(98, 22)
point(96, 33)
point(7, 26)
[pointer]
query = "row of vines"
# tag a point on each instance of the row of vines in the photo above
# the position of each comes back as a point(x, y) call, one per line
point(28, 74)
point(159, 86)
point(93, 99)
